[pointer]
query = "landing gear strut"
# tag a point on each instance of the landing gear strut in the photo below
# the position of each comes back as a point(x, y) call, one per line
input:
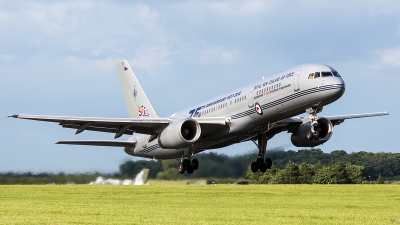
point(260, 163)
point(314, 129)
point(187, 164)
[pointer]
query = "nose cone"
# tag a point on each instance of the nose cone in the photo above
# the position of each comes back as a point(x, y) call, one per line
point(337, 87)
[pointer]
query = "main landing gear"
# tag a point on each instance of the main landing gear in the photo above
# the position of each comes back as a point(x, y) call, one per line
point(260, 163)
point(314, 129)
point(187, 164)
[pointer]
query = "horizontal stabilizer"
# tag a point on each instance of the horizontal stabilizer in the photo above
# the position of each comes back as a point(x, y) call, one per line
point(100, 143)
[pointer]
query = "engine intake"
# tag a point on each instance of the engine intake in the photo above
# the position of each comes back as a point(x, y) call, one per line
point(180, 134)
point(299, 137)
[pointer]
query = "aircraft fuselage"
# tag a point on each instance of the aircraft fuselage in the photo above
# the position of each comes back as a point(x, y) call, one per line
point(253, 109)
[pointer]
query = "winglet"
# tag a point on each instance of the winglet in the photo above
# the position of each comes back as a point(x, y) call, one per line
point(13, 116)
point(138, 104)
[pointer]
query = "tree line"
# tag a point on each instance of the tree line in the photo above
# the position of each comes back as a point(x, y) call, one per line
point(305, 166)
point(306, 173)
point(222, 166)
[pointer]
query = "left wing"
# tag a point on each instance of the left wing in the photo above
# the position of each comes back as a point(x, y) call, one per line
point(336, 120)
point(290, 124)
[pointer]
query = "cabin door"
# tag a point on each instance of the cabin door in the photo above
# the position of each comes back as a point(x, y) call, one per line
point(297, 81)
point(250, 98)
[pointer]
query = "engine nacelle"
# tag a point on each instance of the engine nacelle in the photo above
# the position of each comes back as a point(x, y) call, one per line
point(299, 137)
point(180, 134)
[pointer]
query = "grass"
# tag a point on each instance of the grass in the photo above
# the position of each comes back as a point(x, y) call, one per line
point(211, 204)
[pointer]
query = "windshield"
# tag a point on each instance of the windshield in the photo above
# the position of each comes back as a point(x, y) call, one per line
point(335, 73)
point(326, 74)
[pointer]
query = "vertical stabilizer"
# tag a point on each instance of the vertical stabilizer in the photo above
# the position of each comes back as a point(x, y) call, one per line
point(141, 178)
point(138, 104)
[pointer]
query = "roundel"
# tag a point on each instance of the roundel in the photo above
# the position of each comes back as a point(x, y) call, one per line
point(258, 109)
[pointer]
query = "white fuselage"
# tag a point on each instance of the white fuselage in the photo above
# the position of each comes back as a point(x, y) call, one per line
point(252, 109)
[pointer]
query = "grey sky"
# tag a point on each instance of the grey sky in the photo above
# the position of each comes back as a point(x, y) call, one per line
point(58, 58)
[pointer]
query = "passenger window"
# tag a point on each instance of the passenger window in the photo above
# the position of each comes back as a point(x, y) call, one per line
point(311, 76)
point(316, 75)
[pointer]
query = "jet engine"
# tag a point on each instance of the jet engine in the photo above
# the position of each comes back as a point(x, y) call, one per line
point(302, 136)
point(180, 134)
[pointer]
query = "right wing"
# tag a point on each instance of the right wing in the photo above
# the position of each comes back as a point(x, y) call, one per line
point(119, 126)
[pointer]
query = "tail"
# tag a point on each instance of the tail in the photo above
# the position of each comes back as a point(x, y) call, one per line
point(136, 100)
point(141, 178)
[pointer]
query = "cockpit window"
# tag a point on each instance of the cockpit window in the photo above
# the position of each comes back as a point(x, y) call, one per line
point(311, 76)
point(316, 75)
point(326, 74)
point(335, 73)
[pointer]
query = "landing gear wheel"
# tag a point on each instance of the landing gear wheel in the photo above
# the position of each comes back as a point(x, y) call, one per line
point(186, 164)
point(263, 168)
point(189, 170)
point(181, 170)
point(268, 163)
point(254, 167)
point(260, 162)
point(195, 164)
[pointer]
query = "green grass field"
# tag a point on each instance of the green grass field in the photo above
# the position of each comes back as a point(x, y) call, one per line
point(212, 204)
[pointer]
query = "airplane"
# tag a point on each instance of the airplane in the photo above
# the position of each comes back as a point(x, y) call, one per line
point(255, 112)
point(140, 179)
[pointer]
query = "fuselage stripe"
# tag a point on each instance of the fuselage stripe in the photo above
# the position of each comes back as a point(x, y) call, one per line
point(288, 98)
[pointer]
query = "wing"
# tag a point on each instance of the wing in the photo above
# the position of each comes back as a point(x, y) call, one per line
point(100, 143)
point(120, 126)
point(290, 124)
point(336, 120)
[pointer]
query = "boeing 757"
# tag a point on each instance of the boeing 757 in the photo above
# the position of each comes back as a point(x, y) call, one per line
point(255, 112)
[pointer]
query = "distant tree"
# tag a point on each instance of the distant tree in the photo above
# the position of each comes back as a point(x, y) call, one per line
point(324, 176)
point(129, 169)
point(291, 173)
point(170, 171)
point(355, 173)
point(306, 171)
point(339, 169)
point(380, 179)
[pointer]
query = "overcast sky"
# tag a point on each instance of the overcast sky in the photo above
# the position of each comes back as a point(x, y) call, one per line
point(58, 58)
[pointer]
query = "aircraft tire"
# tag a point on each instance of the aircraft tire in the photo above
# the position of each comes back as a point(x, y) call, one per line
point(189, 170)
point(254, 167)
point(186, 164)
point(263, 168)
point(195, 164)
point(181, 170)
point(268, 163)
point(260, 163)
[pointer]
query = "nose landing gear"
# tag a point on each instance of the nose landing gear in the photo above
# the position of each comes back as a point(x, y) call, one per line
point(314, 129)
